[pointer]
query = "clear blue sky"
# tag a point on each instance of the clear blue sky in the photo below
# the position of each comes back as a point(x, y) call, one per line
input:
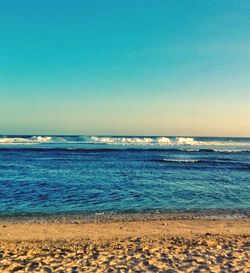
point(134, 67)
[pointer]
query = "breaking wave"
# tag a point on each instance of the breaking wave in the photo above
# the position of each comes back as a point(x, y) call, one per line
point(166, 141)
point(181, 160)
point(146, 140)
point(122, 140)
point(131, 141)
point(23, 140)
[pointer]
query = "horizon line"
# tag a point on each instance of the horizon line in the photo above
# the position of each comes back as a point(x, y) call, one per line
point(120, 135)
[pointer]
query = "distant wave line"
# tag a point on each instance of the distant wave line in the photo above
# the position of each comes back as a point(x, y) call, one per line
point(139, 141)
point(109, 149)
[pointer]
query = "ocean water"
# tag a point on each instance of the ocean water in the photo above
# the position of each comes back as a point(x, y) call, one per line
point(98, 174)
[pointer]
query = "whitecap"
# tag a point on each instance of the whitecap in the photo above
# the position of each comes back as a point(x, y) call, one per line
point(181, 160)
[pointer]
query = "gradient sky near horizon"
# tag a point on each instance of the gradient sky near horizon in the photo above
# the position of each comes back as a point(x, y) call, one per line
point(134, 67)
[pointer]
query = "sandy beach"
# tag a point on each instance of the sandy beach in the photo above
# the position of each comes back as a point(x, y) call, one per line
point(197, 245)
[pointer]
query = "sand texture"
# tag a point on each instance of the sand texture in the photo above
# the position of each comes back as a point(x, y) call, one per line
point(137, 246)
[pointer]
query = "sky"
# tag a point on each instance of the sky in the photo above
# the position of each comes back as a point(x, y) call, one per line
point(134, 67)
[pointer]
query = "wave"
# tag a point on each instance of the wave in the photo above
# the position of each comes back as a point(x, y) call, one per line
point(42, 139)
point(114, 149)
point(130, 141)
point(122, 140)
point(145, 140)
point(7, 140)
point(166, 141)
point(22, 140)
point(181, 160)
point(224, 162)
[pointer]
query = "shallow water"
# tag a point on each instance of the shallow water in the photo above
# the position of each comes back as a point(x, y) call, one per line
point(84, 174)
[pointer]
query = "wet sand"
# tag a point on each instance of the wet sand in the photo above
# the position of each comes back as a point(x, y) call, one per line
point(194, 245)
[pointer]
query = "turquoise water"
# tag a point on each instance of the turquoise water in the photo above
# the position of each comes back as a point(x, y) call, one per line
point(93, 174)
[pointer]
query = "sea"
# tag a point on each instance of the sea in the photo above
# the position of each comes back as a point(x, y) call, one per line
point(53, 175)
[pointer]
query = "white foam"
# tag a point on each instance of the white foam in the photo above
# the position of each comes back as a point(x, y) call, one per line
point(41, 139)
point(220, 144)
point(231, 151)
point(164, 141)
point(122, 140)
point(186, 141)
point(21, 140)
point(181, 160)
point(10, 140)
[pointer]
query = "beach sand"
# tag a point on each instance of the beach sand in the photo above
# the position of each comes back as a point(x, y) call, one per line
point(197, 245)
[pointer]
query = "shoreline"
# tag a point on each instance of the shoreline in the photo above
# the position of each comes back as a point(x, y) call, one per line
point(104, 217)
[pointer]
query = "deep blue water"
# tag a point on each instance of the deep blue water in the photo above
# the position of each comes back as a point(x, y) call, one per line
point(80, 174)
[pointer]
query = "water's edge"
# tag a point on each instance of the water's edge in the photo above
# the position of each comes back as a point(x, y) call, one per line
point(124, 217)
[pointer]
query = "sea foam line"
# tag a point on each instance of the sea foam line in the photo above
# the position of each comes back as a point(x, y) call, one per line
point(163, 141)
point(111, 140)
